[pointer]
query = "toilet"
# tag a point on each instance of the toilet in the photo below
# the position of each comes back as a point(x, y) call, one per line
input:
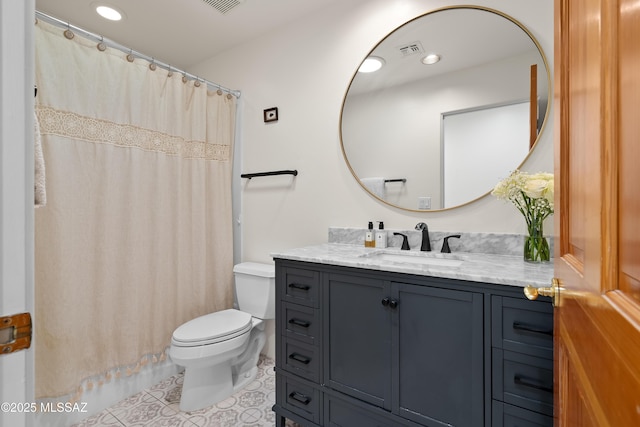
point(220, 351)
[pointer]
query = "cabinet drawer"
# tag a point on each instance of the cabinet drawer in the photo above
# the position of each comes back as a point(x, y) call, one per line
point(300, 323)
point(504, 415)
point(301, 359)
point(523, 326)
point(300, 286)
point(299, 398)
point(342, 414)
point(523, 381)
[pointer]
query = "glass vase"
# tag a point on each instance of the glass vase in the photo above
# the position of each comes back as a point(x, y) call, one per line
point(536, 246)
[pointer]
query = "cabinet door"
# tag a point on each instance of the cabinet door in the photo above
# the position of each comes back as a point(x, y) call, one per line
point(438, 358)
point(357, 341)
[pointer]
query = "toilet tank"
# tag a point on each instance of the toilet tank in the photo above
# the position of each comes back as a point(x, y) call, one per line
point(256, 289)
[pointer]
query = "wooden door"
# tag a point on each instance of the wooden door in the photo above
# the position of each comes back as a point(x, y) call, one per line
point(597, 221)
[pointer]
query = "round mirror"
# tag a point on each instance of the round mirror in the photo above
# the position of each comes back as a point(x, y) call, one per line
point(458, 102)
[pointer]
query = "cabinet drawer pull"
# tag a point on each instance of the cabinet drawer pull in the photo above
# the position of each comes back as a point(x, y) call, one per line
point(304, 399)
point(299, 286)
point(528, 328)
point(385, 301)
point(531, 383)
point(298, 322)
point(300, 358)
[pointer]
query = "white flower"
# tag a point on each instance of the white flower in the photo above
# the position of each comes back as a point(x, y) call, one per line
point(535, 188)
point(531, 194)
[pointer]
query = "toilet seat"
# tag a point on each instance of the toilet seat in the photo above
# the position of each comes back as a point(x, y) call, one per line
point(212, 328)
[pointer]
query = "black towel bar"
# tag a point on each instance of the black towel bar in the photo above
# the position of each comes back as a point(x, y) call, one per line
point(396, 180)
point(283, 172)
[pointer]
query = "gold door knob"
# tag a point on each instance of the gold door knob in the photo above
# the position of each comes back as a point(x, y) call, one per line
point(532, 293)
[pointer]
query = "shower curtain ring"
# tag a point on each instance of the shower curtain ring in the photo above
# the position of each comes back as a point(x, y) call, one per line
point(130, 56)
point(68, 33)
point(152, 66)
point(184, 78)
point(170, 73)
point(197, 82)
point(101, 46)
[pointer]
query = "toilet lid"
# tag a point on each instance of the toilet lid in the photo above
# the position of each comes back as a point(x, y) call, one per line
point(213, 327)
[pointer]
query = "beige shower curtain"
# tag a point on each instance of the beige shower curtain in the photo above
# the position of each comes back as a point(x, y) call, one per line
point(136, 236)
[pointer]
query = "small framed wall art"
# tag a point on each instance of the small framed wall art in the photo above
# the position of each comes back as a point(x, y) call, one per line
point(271, 114)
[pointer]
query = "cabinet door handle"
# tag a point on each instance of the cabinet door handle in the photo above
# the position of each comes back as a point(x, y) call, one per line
point(304, 399)
point(300, 358)
point(299, 286)
point(531, 383)
point(389, 302)
point(529, 328)
point(298, 322)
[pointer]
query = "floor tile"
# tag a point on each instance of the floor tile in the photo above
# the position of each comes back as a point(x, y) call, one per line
point(102, 419)
point(159, 406)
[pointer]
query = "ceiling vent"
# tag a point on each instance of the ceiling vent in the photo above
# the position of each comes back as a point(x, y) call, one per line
point(223, 6)
point(411, 49)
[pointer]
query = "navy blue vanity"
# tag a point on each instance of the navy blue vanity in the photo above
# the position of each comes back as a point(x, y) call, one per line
point(364, 341)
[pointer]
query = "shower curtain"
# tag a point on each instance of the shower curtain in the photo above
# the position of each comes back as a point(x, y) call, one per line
point(136, 237)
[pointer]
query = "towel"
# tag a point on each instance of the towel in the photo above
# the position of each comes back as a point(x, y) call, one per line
point(39, 180)
point(375, 185)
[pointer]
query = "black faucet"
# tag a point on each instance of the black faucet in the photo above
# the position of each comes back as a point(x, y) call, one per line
point(445, 244)
point(405, 241)
point(426, 241)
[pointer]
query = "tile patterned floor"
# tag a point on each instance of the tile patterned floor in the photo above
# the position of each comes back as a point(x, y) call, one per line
point(158, 406)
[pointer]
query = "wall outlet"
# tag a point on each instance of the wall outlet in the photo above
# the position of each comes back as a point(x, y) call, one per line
point(424, 203)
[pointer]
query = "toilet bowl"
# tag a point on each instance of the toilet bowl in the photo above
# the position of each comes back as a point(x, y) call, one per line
point(220, 350)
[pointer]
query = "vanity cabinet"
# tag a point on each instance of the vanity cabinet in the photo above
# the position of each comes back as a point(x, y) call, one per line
point(360, 347)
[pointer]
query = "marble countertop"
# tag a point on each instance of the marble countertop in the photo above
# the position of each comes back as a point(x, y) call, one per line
point(477, 267)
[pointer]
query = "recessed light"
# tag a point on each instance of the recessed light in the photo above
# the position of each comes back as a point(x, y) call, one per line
point(432, 58)
point(371, 64)
point(109, 13)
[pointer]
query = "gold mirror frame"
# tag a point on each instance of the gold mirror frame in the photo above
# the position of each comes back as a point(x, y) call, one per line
point(535, 144)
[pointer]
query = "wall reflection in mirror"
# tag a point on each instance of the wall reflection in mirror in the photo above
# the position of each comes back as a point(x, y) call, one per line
point(458, 103)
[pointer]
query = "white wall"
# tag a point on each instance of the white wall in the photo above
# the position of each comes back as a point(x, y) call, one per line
point(304, 69)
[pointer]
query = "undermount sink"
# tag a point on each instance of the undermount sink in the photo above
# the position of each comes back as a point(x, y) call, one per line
point(420, 258)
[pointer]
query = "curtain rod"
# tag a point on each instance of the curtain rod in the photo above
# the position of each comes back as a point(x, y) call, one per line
point(62, 24)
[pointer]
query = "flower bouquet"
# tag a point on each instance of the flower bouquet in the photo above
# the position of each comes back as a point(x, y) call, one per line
point(532, 195)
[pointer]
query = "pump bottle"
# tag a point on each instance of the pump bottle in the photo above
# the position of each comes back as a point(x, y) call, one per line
point(381, 236)
point(369, 239)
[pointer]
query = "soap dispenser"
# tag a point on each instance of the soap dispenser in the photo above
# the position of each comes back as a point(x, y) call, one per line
point(381, 236)
point(369, 240)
